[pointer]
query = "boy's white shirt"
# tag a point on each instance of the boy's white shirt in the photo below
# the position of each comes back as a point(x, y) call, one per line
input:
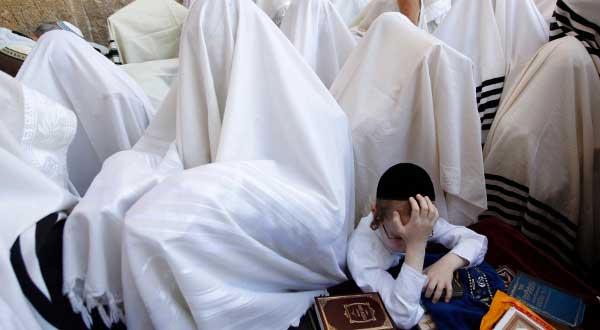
point(369, 258)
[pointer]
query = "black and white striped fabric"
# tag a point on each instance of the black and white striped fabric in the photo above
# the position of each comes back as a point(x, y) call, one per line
point(36, 259)
point(488, 100)
point(566, 22)
point(546, 227)
point(113, 53)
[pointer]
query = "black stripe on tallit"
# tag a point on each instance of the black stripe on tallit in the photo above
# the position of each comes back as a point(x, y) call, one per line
point(563, 25)
point(492, 92)
point(35, 296)
point(490, 178)
point(489, 82)
point(577, 18)
point(552, 230)
point(501, 206)
point(48, 249)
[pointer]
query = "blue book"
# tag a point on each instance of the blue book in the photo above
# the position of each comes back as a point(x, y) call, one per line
point(548, 301)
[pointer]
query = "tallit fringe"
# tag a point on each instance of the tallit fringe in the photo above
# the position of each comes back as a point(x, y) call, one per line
point(83, 302)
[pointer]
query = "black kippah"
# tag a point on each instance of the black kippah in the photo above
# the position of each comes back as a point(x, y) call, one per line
point(403, 181)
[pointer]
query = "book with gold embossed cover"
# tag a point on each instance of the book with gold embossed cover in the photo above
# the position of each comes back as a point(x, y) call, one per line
point(353, 312)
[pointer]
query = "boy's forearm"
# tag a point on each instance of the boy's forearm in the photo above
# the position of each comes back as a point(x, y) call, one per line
point(454, 261)
point(415, 255)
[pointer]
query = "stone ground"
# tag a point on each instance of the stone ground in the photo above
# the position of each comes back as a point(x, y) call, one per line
point(89, 15)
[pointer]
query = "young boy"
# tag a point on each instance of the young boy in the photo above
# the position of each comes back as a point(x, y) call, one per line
point(403, 220)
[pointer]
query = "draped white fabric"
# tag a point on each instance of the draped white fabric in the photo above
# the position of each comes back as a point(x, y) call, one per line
point(26, 194)
point(233, 244)
point(411, 98)
point(154, 77)
point(147, 30)
point(543, 140)
point(320, 35)
point(112, 110)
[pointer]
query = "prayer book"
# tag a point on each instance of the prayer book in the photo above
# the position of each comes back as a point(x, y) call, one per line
point(353, 312)
point(514, 319)
point(548, 301)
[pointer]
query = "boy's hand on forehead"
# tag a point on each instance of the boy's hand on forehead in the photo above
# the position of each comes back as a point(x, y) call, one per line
point(422, 219)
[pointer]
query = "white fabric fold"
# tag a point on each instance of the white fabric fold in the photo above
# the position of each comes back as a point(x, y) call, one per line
point(411, 98)
point(262, 229)
point(112, 110)
point(154, 77)
point(26, 194)
point(320, 35)
point(543, 149)
point(147, 30)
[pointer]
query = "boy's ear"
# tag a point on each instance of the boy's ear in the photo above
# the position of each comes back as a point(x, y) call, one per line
point(374, 208)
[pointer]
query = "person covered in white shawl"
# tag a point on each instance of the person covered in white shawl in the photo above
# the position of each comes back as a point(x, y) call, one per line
point(552, 195)
point(541, 158)
point(146, 30)
point(112, 110)
point(411, 98)
point(34, 135)
point(247, 241)
point(320, 35)
point(500, 37)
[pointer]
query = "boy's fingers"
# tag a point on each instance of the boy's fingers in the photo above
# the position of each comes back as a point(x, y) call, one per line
point(448, 292)
point(415, 210)
point(423, 205)
point(438, 293)
point(429, 206)
point(430, 287)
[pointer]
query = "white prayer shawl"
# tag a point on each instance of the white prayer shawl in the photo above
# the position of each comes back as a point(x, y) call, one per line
point(147, 30)
point(540, 157)
point(411, 98)
point(248, 241)
point(500, 37)
point(154, 77)
point(320, 35)
point(581, 19)
point(112, 110)
point(431, 15)
point(349, 9)
point(26, 194)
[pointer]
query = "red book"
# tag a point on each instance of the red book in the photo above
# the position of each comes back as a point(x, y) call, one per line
point(353, 312)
